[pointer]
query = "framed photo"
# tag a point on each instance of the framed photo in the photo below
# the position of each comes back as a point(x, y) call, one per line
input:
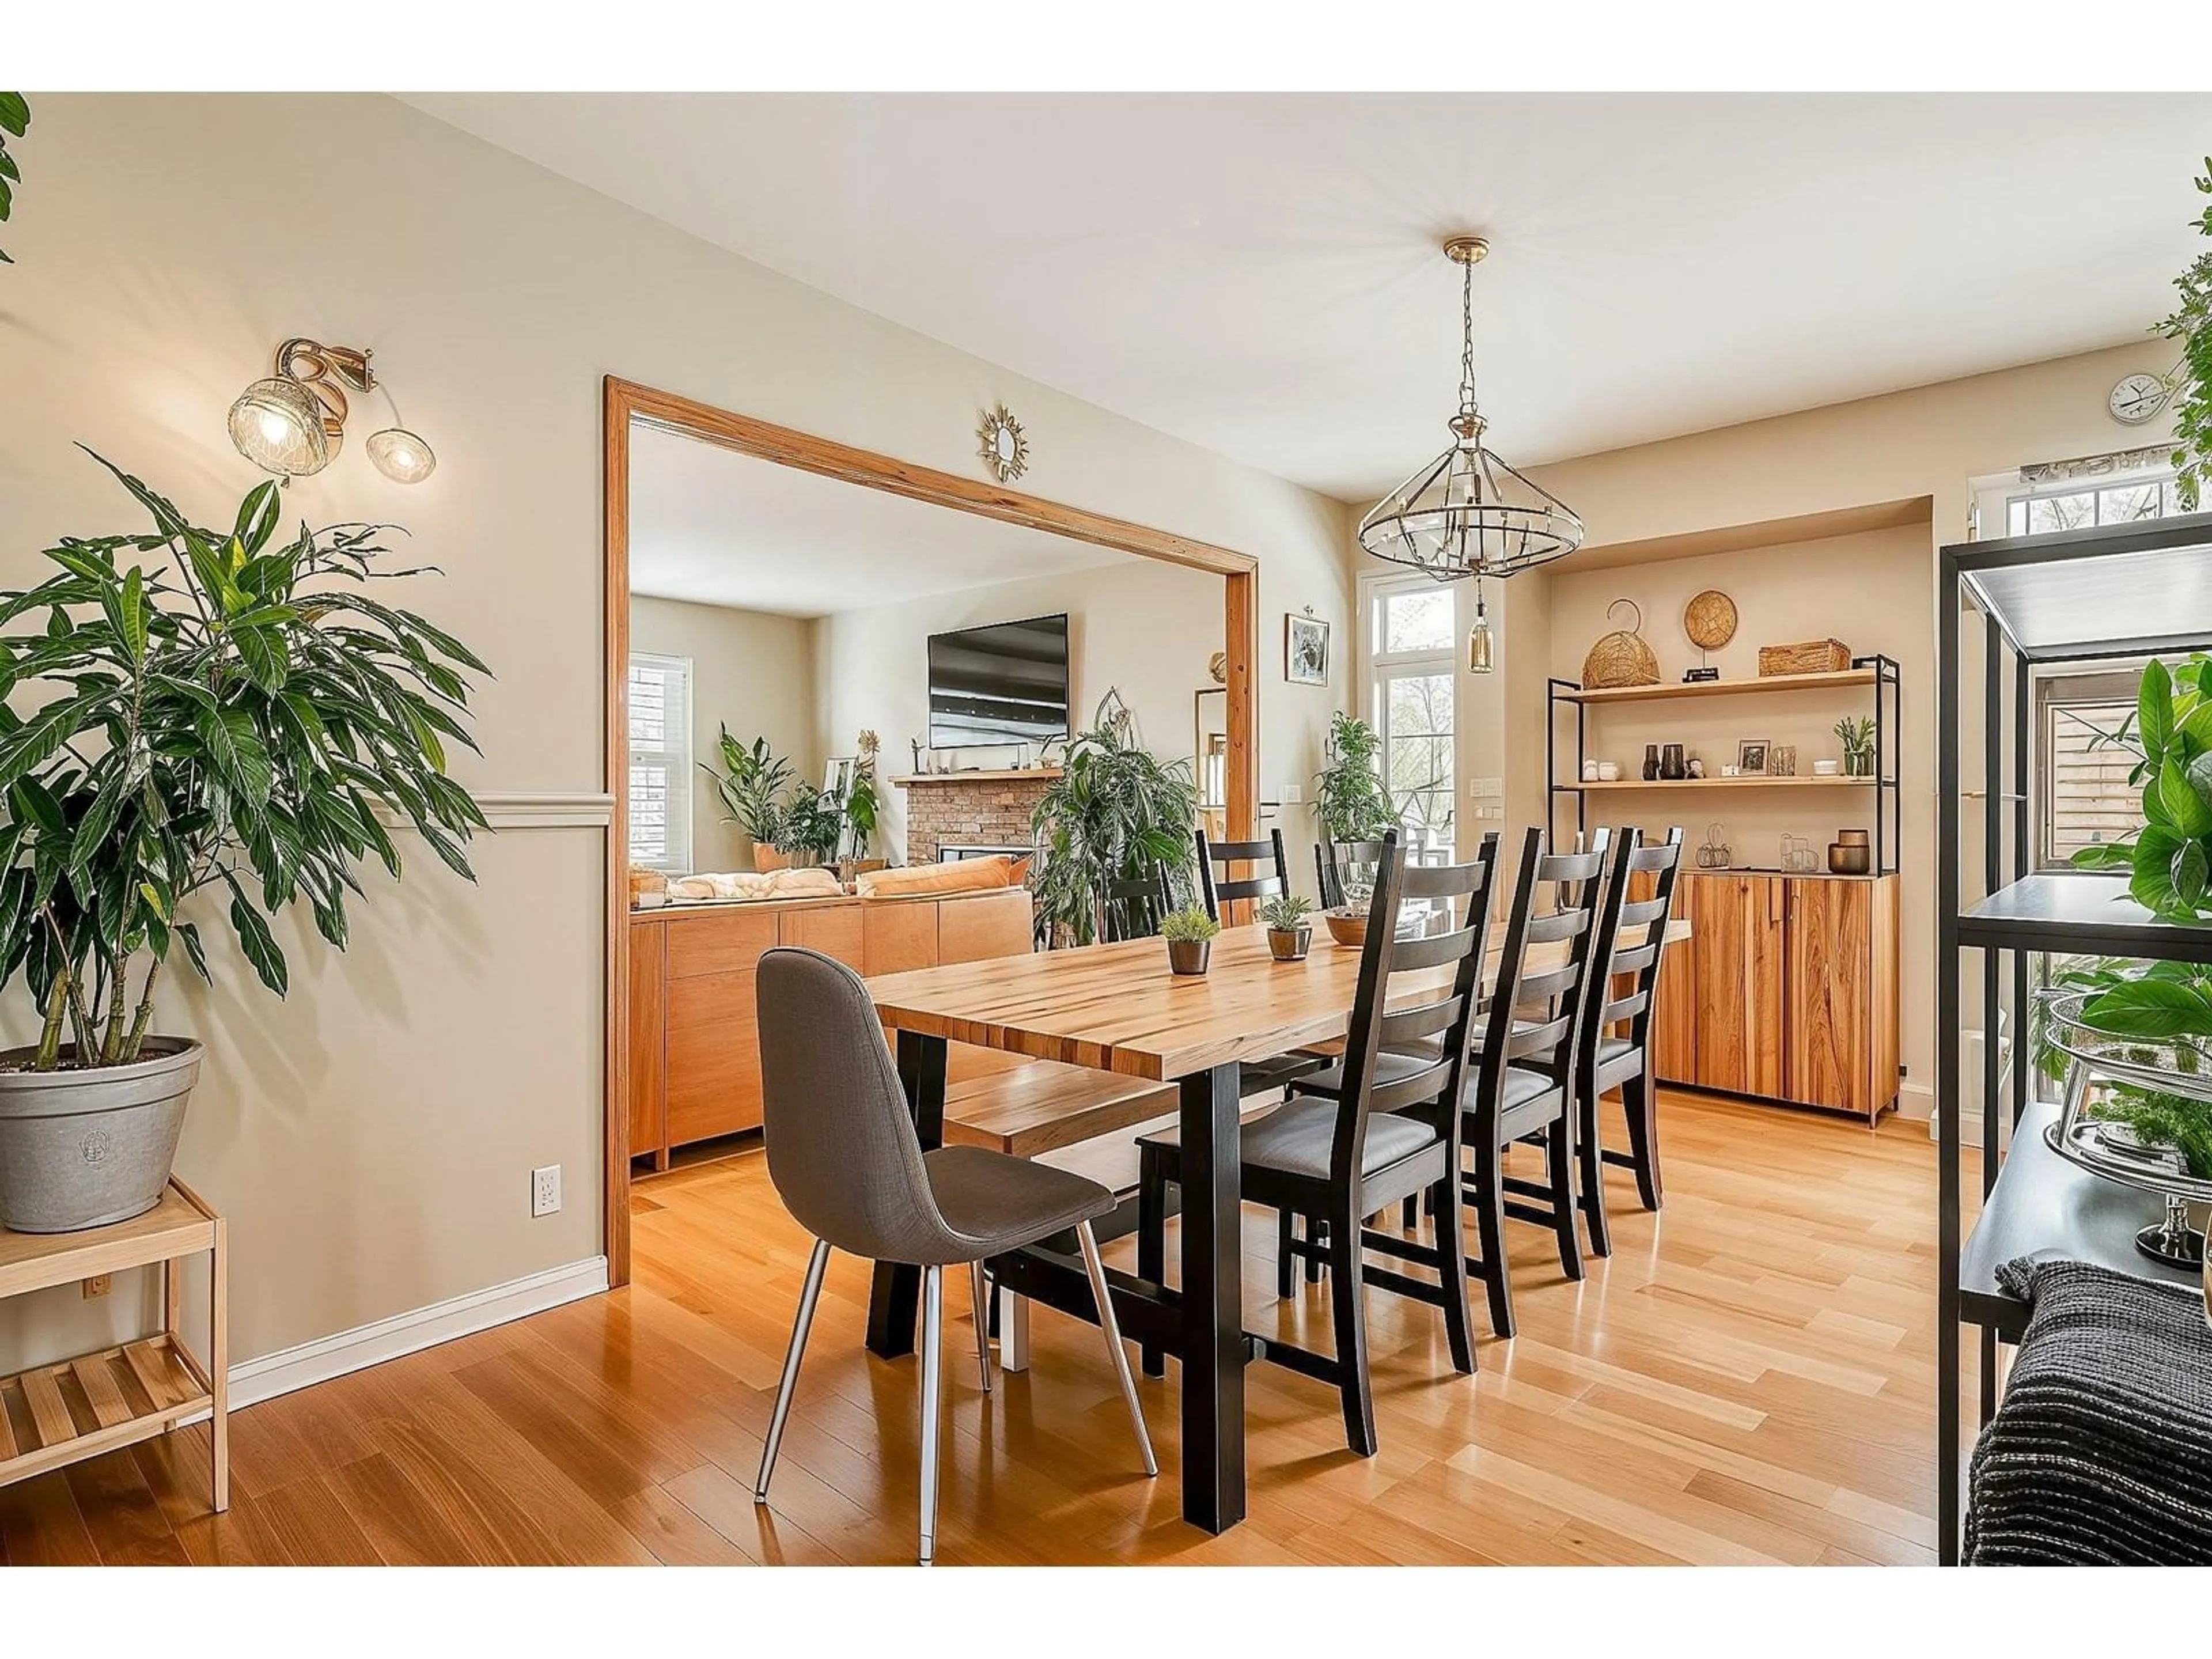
point(1305, 650)
point(1750, 757)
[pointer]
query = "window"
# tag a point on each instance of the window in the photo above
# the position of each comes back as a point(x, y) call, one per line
point(659, 761)
point(2083, 777)
point(2107, 489)
point(1412, 651)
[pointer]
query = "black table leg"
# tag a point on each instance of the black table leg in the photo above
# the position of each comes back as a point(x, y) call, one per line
point(1212, 1302)
point(897, 1290)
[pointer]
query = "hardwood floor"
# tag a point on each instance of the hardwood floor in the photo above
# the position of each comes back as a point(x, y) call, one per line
point(1750, 1378)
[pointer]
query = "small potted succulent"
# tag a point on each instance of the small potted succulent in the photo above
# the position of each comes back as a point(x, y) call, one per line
point(1189, 934)
point(1289, 935)
point(1858, 737)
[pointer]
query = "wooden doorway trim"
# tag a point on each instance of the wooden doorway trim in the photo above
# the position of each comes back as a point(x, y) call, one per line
point(625, 402)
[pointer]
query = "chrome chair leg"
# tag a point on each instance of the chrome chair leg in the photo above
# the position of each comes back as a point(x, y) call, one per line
point(979, 1286)
point(932, 1331)
point(1097, 1269)
point(807, 1297)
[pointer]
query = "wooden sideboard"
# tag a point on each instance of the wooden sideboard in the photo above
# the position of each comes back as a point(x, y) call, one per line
point(694, 1045)
point(1787, 989)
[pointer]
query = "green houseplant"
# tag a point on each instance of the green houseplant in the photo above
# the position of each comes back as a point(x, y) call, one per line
point(1855, 734)
point(1115, 813)
point(210, 711)
point(1290, 934)
point(2192, 378)
point(2168, 1004)
point(1349, 795)
point(862, 805)
point(749, 782)
point(15, 122)
point(2169, 858)
point(1189, 934)
point(809, 822)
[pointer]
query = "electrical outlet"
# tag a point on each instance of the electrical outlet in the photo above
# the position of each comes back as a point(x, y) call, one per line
point(545, 1190)
point(99, 1284)
point(1292, 794)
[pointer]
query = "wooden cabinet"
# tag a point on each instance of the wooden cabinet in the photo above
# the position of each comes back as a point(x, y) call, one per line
point(693, 1033)
point(648, 1044)
point(1737, 923)
point(1842, 1017)
point(1787, 989)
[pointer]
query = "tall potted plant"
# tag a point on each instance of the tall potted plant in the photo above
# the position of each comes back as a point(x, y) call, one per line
point(750, 785)
point(1115, 813)
point(1349, 795)
point(223, 714)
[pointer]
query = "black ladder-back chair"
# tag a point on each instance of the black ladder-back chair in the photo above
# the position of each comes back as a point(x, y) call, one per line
point(1215, 889)
point(1216, 857)
point(1135, 906)
point(1331, 861)
point(1393, 1133)
point(1524, 1069)
point(1635, 930)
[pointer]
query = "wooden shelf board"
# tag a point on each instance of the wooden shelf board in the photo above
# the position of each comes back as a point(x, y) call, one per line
point(1045, 774)
point(54, 1415)
point(177, 1226)
point(1717, 783)
point(1838, 679)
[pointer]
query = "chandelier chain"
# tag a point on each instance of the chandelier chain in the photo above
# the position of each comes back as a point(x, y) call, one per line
point(1466, 339)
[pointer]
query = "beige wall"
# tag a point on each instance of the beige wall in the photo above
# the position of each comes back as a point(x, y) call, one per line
point(1929, 442)
point(1143, 626)
point(751, 671)
point(371, 1138)
point(1869, 591)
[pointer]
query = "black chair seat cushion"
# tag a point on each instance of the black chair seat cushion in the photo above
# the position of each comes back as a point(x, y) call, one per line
point(1294, 1139)
point(1003, 1203)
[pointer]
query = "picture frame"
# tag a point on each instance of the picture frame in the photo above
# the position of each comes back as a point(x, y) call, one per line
point(1305, 649)
point(1751, 755)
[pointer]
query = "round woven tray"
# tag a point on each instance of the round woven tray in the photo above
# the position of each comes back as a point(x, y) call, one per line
point(1710, 620)
point(1621, 657)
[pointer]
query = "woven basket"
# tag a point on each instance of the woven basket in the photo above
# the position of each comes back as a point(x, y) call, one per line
point(1806, 657)
point(1620, 658)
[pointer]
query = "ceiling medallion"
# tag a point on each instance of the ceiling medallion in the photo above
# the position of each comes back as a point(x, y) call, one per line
point(1005, 447)
point(1466, 513)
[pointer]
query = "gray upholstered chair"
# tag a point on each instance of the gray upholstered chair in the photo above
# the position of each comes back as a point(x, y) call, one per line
point(843, 1154)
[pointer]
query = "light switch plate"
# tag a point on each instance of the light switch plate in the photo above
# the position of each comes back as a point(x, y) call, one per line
point(1485, 788)
point(1292, 794)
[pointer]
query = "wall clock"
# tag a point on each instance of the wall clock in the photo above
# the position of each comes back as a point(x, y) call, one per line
point(1005, 447)
point(2136, 398)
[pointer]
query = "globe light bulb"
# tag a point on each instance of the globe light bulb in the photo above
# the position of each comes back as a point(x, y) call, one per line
point(401, 456)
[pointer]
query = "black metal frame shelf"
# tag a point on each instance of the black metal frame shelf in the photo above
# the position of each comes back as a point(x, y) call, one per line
point(2037, 607)
point(1877, 674)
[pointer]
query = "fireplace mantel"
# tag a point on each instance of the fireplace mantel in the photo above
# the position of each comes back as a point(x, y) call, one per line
point(923, 779)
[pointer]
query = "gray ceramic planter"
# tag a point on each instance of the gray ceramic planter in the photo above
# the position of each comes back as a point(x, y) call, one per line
point(1187, 956)
point(82, 1149)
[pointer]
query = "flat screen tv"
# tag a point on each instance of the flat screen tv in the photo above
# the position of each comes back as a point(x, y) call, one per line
point(1004, 683)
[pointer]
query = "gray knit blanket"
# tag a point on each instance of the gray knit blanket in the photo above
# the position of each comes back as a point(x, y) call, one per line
point(2102, 1452)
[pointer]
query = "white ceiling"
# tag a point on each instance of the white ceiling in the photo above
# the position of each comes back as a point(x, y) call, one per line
point(1258, 273)
point(716, 528)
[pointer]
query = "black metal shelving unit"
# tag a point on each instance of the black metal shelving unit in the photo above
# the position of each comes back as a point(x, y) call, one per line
point(2083, 595)
point(1878, 674)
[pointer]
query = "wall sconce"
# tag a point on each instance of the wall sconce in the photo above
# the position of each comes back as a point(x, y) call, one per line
point(293, 421)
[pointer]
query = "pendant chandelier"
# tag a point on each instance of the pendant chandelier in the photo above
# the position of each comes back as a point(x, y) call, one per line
point(1466, 513)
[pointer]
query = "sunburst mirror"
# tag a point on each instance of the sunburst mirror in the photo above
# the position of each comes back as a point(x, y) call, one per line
point(1005, 447)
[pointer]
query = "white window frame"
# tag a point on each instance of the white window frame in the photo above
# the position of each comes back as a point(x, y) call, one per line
point(1381, 667)
point(1995, 497)
point(676, 859)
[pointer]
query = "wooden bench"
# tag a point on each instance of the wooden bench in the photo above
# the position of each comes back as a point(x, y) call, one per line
point(1043, 1106)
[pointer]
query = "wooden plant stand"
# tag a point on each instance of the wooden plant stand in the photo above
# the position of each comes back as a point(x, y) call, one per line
point(55, 1415)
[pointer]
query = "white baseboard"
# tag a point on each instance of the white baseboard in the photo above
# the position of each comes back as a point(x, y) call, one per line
point(1915, 1100)
point(370, 1345)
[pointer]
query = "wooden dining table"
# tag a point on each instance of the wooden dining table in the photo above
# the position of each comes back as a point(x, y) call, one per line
point(1118, 1008)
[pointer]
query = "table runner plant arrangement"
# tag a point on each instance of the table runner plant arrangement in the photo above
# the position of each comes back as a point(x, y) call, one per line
point(194, 714)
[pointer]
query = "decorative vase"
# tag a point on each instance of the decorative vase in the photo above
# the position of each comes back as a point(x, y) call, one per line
point(1650, 762)
point(1188, 955)
point(1671, 767)
point(1859, 763)
point(1288, 944)
point(767, 859)
point(85, 1149)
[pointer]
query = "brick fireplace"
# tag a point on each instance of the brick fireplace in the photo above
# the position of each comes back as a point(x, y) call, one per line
point(970, 809)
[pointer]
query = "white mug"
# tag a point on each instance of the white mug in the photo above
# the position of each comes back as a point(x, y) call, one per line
point(1608, 771)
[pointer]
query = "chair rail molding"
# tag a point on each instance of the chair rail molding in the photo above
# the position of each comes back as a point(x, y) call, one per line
point(531, 809)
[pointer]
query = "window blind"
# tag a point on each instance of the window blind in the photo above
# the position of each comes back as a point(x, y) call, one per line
point(661, 762)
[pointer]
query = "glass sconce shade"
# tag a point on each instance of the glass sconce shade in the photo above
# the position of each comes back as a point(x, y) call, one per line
point(401, 456)
point(277, 424)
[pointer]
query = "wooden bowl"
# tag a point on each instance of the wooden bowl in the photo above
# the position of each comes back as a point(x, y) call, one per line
point(1346, 926)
